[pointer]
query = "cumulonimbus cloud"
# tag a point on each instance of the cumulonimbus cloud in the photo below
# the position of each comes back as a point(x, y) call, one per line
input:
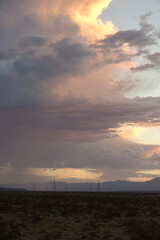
point(49, 46)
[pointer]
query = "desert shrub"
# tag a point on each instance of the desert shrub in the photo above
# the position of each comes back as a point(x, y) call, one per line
point(9, 231)
point(135, 238)
point(118, 238)
point(36, 217)
point(131, 211)
point(110, 211)
point(142, 229)
point(45, 237)
point(106, 236)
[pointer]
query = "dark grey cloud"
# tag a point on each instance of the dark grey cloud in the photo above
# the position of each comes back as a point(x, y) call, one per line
point(39, 128)
point(141, 53)
point(21, 18)
point(42, 63)
point(31, 76)
point(68, 60)
point(154, 58)
point(68, 49)
point(32, 41)
point(153, 63)
point(145, 26)
point(38, 66)
point(121, 57)
point(7, 54)
point(33, 148)
point(112, 50)
point(87, 118)
point(143, 67)
point(89, 156)
point(134, 38)
point(141, 38)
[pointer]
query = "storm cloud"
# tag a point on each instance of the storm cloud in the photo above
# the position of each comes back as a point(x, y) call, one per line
point(65, 87)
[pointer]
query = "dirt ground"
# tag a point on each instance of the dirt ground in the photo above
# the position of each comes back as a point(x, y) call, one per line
point(79, 216)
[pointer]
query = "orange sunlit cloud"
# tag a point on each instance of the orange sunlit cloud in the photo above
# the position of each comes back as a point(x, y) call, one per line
point(64, 173)
point(139, 179)
point(130, 131)
point(84, 13)
point(149, 172)
point(149, 153)
point(7, 168)
point(142, 133)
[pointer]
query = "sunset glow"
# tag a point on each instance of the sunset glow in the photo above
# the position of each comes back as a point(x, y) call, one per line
point(65, 173)
point(141, 134)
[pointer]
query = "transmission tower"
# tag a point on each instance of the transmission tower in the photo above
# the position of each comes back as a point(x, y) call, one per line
point(98, 186)
point(54, 186)
point(34, 187)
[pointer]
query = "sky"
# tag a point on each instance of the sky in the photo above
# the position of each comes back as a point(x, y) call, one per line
point(79, 90)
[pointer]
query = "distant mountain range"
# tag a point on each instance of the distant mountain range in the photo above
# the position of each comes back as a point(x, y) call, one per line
point(11, 189)
point(152, 185)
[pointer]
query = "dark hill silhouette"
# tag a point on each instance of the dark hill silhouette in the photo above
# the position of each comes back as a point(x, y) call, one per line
point(152, 185)
point(12, 189)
